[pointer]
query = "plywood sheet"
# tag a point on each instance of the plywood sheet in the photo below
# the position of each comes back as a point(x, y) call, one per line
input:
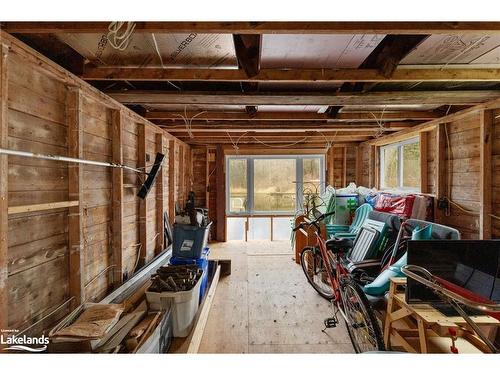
point(317, 51)
point(453, 49)
point(179, 50)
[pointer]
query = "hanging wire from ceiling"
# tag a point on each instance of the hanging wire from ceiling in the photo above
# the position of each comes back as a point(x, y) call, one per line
point(329, 143)
point(480, 40)
point(157, 49)
point(279, 146)
point(188, 121)
point(380, 122)
point(119, 34)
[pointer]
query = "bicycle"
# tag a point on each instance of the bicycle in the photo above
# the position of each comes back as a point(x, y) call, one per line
point(324, 270)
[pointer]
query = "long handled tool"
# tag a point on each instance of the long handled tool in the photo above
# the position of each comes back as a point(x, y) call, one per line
point(145, 187)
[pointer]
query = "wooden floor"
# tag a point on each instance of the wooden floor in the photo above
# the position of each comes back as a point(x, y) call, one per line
point(267, 306)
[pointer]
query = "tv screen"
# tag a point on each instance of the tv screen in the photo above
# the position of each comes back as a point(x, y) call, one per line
point(473, 265)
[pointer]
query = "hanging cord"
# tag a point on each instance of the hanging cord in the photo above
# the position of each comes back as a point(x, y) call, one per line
point(464, 51)
point(235, 144)
point(118, 37)
point(188, 121)
point(380, 122)
point(328, 144)
point(280, 146)
point(155, 43)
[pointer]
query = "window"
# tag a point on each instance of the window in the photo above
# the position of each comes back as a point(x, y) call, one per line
point(257, 184)
point(400, 165)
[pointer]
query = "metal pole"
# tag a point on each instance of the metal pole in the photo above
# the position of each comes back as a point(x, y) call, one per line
point(67, 159)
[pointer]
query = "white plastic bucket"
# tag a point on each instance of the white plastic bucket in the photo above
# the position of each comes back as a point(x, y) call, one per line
point(184, 307)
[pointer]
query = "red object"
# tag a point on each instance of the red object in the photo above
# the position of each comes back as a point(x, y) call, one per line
point(395, 204)
point(466, 293)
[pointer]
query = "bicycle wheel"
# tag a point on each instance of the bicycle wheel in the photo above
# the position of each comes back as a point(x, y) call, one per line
point(364, 330)
point(314, 269)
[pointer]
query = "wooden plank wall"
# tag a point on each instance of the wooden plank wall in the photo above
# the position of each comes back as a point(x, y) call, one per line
point(341, 166)
point(40, 103)
point(465, 156)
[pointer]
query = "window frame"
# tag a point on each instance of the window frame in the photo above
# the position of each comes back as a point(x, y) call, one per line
point(250, 181)
point(399, 145)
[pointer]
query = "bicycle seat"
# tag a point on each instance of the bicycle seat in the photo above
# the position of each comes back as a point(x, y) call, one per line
point(338, 245)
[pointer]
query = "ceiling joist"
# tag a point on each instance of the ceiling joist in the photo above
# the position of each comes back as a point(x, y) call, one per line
point(457, 97)
point(261, 27)
point(371, 116)
point(92, 73)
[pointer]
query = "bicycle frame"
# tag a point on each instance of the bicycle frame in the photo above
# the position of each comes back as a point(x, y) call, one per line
point(340, 271)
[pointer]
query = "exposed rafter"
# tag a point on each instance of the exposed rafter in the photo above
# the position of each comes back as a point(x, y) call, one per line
point(371, 116)
point(92, 73)
point(260, 27)
point(248, 49)
point(468, 97)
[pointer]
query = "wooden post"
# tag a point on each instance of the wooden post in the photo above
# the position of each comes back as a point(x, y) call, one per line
point(344, 166)
point(376, 167)
point(143, 206)
point(221, 195)
point(75, 189)
point(207, 177)
point(160, 194)
point(371, 166)
point(4, 189)
point(117, 197)
point(358, 167)
point(330, 177)
point(172, 172)
point(485, 138)
point(423, 162)
point(440, 170)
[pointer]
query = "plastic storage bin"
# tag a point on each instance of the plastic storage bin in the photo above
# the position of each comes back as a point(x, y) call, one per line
point(184, 306)
point(201, 263)
point(189, 241)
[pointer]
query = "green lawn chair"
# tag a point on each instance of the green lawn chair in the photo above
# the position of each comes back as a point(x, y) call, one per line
point(350, 231)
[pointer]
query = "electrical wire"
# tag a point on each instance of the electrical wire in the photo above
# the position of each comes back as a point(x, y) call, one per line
point(118, 38)
point(280, 146)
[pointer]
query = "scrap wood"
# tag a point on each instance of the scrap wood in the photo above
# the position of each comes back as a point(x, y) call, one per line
point(135, 334)
point(93, 323)
point(149, 329)
point(130, 302)
point(122, 328)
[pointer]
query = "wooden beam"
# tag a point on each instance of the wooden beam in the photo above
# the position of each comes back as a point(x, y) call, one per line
point(117, 196)
point(221, 194)
point(358, 166)
point(440, 170)
point(365, 117)
point(344, 166)
point(172, 172)
point(423, 162)
point(143, 203)
point(41, 207)
point(160, 195)
point(356, 27)
point(390, 51)
point(485, 186)
point(248, 49)
point(201, 322)
point(4, 188)
point(274, 127)
point(340, 98)
point(388, 74)
point(75, 189)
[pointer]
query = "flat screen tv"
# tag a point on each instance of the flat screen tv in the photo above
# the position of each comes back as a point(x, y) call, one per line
point(472, 265)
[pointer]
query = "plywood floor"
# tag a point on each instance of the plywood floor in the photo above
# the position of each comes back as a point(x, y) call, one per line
point(267, 306)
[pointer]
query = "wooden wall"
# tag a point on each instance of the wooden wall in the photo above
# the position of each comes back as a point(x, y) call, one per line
point(341, 166)
point(461, 159)
point(91, 229)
